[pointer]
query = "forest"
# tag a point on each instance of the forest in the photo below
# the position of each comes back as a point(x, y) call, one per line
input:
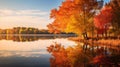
point(26, 30)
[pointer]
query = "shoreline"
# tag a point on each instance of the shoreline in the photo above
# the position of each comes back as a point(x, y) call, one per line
point(73, 35)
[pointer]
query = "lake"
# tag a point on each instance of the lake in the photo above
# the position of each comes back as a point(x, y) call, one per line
point(28, 51)
point(36, 51)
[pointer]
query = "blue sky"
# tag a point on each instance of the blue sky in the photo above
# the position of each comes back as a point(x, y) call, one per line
point(27, 13)
point(106, 1)
point(30, 4)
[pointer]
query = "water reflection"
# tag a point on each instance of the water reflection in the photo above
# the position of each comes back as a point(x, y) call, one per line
point(25, 38)
point(29, 49)
point(22, 52)
point(80, 56)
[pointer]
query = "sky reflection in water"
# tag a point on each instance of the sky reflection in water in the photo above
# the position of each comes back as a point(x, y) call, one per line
point(29, 49)
point(29, 53)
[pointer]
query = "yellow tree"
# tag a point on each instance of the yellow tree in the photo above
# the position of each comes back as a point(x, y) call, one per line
point(74, 16)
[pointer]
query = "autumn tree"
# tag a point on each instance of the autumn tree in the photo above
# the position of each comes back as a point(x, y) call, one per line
point(74, 16)
point(115, 4)
point(54, 28)
point(103, 20)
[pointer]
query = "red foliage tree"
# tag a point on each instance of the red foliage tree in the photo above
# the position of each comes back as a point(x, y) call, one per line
point(103, 20)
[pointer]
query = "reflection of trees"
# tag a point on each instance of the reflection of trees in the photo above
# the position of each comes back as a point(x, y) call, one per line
point(78, 57)
point(32, 37)
point(69, 57)
point(23, 38)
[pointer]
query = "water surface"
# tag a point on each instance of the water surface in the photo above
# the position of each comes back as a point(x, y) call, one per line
point(27, 51)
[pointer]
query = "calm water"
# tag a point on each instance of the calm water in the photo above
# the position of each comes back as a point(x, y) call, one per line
point(27, 51)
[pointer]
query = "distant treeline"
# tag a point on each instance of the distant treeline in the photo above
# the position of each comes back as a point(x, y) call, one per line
point(26, 30)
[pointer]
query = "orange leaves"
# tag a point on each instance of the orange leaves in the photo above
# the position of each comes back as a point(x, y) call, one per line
point(69, 17)
point(59, 54)
point(102, 20)
point(67, 57)
point(53, 13)
point(76, 56)
point(61, 16)
point(53, 28)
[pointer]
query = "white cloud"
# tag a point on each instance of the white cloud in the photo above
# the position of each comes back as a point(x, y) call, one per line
point(31, 12)
point(26, 18)
point(5, 12)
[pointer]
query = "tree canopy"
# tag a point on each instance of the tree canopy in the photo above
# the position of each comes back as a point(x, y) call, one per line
point(115, 4)
point(103, 20)
point(85, 16)
point(73, 16)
